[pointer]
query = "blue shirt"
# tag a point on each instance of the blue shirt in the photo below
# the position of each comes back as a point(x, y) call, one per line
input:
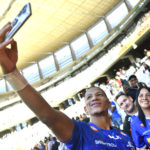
point(87, 136)
point(140, 134)
point(115, 113)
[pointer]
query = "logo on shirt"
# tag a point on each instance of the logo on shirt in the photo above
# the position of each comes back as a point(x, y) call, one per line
point(146, 132)
point(113, 137)
point(105, 143)
point(148, 139)
point(93, 128)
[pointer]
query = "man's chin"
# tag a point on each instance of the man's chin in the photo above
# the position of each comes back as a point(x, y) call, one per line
point(129, 111)
point(98, 113)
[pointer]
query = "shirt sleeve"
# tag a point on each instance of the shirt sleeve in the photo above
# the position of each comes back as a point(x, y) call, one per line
point(137, 138)
point(76, 138)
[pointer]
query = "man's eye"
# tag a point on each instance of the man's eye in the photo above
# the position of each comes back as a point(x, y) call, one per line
point(88, 97)
point(100, 94)
point(125, 100)
point(121, 104)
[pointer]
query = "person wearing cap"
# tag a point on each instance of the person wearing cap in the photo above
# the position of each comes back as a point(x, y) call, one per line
point(131, 88)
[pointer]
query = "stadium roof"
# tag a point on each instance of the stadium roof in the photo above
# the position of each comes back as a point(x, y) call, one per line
point(52, 24)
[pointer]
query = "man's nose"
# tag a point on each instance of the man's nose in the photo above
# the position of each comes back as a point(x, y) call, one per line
point(125, 105)
point(94, 97)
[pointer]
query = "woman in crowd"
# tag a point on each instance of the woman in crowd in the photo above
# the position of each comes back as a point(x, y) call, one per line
point(140, 126)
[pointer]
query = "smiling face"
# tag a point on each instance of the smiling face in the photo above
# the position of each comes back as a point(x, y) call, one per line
point(144, 98)
point(125, 103)
point(96, 101)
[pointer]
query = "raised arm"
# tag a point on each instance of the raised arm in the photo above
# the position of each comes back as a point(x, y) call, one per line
point(59, 123)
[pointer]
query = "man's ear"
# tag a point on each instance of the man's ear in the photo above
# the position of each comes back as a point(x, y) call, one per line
point(85, 109)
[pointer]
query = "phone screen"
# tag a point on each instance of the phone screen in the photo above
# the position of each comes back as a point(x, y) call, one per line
point(19, 20)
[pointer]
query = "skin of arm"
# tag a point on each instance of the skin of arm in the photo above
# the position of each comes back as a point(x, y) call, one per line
point(59, 123)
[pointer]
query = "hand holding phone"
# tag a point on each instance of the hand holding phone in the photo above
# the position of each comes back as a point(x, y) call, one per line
point(19, 20)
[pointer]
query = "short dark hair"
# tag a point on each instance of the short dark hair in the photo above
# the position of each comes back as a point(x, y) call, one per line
point(54, 138)
point(96, 87)
point(132, 76)
point(120, 94)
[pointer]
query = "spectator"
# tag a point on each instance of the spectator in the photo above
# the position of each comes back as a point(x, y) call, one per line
point(132, 88)
point(118, 80)
point(85, 118)
point(115, 116)
point(50, 142)
point(77, 118)
point(56, 144)
point(46, 143)
point(146, 73)
point(148, 58)
point(133, 81)
point(140, 126)
point(126, 103)
point(42, 146)
point(62, 146)
point(146, 68)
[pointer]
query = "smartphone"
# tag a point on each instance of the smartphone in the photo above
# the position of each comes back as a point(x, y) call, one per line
point(19, 20)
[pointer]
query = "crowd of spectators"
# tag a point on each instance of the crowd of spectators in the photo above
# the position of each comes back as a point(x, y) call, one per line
point(52, 143)
point(126, 82)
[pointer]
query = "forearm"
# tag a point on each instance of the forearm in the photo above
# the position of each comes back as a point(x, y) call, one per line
point(60, 124)
point(36, 102)
point(28, 94)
